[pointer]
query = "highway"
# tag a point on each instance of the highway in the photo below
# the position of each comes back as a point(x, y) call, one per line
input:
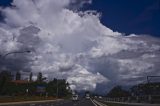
point(82, 102)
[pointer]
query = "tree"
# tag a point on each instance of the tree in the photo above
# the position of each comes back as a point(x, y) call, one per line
point(5, 78)
point(117, 91)
point(63, 88)
point(52, 87)
point(18, 76)
point(39, 77)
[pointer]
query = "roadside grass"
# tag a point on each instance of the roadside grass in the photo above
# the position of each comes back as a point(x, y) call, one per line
point(24, 98)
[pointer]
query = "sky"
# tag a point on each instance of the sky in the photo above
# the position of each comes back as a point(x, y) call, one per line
point(93, 44)
point(130, 16)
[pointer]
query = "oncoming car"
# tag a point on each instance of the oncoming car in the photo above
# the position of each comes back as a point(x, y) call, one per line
point(75, 98)
point(87, 96)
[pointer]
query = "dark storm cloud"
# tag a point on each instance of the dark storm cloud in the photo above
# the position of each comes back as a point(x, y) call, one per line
point(14, 64)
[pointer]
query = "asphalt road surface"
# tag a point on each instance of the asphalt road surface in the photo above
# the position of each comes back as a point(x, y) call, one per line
point(82, 102)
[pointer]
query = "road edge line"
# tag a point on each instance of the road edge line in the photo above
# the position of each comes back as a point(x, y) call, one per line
point(93, 102)
point(99, 103)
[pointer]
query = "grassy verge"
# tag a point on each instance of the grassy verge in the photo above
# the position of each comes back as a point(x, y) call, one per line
point(24, 98)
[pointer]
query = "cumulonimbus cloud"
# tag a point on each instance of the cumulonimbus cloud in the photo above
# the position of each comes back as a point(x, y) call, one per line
point(74, 45)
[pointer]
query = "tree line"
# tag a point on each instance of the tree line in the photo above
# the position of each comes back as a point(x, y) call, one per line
point(136, 90)
point(39, 87)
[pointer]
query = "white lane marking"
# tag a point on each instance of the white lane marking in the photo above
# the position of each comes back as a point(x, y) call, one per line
point(93, 102)
point(99, 103)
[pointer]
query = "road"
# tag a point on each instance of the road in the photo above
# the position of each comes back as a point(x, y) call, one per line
point(82, 102)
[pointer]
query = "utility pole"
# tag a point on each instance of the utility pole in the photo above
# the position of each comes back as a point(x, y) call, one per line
point(150, 91)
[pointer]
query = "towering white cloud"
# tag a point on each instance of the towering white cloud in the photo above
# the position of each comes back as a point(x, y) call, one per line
point(74, 45)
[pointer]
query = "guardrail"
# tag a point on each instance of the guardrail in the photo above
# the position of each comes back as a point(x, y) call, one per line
point(136, 99)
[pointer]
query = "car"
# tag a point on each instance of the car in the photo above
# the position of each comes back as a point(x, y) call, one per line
point(100, 97)
point(75, 98)
point(87, 96)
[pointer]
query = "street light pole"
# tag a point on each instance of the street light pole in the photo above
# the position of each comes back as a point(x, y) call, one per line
point(16, 52)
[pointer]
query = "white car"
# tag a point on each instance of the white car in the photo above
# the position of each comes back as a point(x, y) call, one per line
point(75, 98)
point(100, 97)
point(87, 96)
